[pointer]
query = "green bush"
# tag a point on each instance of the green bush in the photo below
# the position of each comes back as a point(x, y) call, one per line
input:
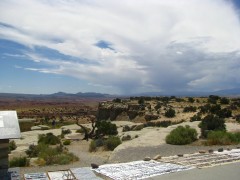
point(190, 109)
point(112, 142)
point(196, 117)
point(65, 158)
point(181, 136)
point(92, 146)
point(48, 138)
point(212, 123)
point(66, 142)
point(222, 138)
point(19, 162)
point(33, 150)
point(12, 145)
point(170, 113)
point(106, 128)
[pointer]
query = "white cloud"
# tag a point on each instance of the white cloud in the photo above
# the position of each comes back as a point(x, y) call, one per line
point(158, 44)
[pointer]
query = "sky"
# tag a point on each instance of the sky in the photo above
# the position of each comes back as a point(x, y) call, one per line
point(119, 47)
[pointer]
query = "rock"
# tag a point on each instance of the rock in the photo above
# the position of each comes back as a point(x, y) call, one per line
point(94, 166)
point(210, 151)
point(220, 150)
point(147, 159)
point(126, 138)
point(202, 151)
point(40, 127)
point(157, 157)
point(44, 127)
point(180, 155)
point(34, 128)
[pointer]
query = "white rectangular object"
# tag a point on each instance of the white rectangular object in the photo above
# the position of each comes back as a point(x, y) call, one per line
point(9, 125)
point(139, 169)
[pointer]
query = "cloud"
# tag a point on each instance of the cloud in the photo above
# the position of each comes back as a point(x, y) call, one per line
point(132, 45)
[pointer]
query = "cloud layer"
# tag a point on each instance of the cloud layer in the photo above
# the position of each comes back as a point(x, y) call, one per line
point(131, 46)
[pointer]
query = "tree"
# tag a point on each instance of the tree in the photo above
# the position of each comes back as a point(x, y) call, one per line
point(212, 123)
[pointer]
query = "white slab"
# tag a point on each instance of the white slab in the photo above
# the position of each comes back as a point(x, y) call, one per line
point(61, 175)
point(139, 169)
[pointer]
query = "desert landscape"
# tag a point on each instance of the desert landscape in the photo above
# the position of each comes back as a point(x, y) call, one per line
point(141, 125)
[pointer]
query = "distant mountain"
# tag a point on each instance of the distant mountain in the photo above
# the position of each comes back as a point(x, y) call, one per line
point(226, 92)
point(61, 95)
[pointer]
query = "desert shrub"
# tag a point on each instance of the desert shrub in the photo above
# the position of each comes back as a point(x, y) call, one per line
point(106, 128)
point(158, 124)
point(182, 135)
point(33, 150)
point(158, 106)
point(126, 138)
point(224, 100)
point(196, 117)
point(222, 138)
point(99, 142)
point(170, 113)
point(54, 156)
point(117, 100)
point(204, 109)
point(26, 125)
point(12, 145)
point(66, 131)
point(212, 123)
point(238, 118)
point(92, 146)
point(213, 99)
point(224, 113)
point(65, 158)
point(190, 109)
point(82, 131)
point(48, 138)
point(19, 162)
point(141, 101)
point(112, 142)
point(191, 99)
point(66, 142)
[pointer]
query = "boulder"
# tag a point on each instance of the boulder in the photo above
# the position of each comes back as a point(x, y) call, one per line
point(157, 157)
point(147, 159)
point(94, 166)
point(40, 127)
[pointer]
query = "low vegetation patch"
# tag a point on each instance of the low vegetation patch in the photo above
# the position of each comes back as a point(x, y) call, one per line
point(19, 162)
point(49, 153)
point(66, 142)
point(181, 136)
point(12, 145)
point(222, 138)
point(112, 142)
point(109, 144)
point(48, 138)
